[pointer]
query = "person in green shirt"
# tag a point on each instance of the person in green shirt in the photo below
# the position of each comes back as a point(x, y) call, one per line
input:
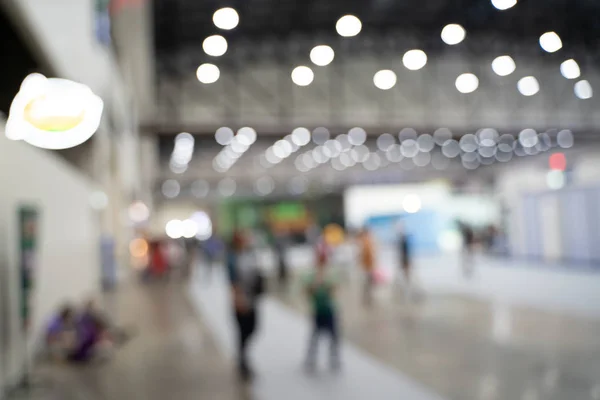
point(320, 287)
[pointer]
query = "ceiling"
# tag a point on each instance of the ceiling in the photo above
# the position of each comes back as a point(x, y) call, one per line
point(184, 24)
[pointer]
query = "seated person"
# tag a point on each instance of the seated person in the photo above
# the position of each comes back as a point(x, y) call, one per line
point(61, 334)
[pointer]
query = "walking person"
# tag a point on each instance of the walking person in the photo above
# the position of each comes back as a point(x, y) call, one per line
point(320, 287)
point(405, 257)
point(468, 262)
point(367, 259)
point(247, 284)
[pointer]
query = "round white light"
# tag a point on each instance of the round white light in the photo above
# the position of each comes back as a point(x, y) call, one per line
point(189, 229)
point(467, 83)
point(357, 136)
point(174, 229)
point(528, 138)
point(550, 42)
point(348, 26)
point(224, 136)
point(298, 185)
point(139, 212)
point(301, 136)
point(570, 69)
point(453, 34)
point(226, 18)
point(227, 187)
point(414, 59)
point(320, 135)
point(215, 45)
point(503, 65)
point(203, 225)
point(322, 55)
point(385, 142)
point(555, 179)
point(385, 79)
point(584, 90)
point(208, 73)
point(411, 203)
point(171, 188)
point(246, 136)
point(264, 186)
point(302, 76)
point(504, 4)
point(98, 200)
point(528, 86)
point(442, 135)
point(200, 188)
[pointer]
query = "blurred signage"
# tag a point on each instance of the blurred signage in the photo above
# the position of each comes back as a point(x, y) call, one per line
point(53, 113)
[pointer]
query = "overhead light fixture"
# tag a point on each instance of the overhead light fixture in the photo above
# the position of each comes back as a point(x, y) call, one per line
point(503, 65)
point(171, 188)
point(385, 79)
point(528, 86)
point(322, 55)
point(227, 187)
point(348, 26)
point(53, 113)
point(504, 4)
point(208, 73)
point(224, 136)
point(414, 59)
point(320, 135)
point(226, 18)
point(174, 229)
point(550, 42)
point(570, 69)
point(301, 136)
point(302, 76)
point(357, 136)
point(246, 136)
point(411, 203)
point(264, 186)
point(583, 90)
point(200, 189)
point(215, 45)
point(467, 83)
point(453, 34)
point(565, 139)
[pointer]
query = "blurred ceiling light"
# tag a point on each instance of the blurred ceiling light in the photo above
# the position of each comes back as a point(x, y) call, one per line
point(348, 26)
point(441, 136)
point(557, 161)
point(224, 136)
point(344, 141)
point(488, 137)
point(565, 139)
point(422, 159)
point(298, 185)
point(469, 143)
point(394, 154)
point(359, 153)
point(302, 76)
point(174, 229)
point(570, 69)
point(385, 142)
point(451, 148)
point(301, 164)
point(504, 156)
point(282, 149)
point(184, 139)
point(506, 143)
point(271, 157)
point(189, 229)
point(504, 4)
point(239, 146)
point(528, 86)
point(171, 188)
point(208, 73)
point(203, 225)
point(583, 90)
point(264, 186)
point(200, 189)
point(347, 160)
point(411, 203)
point(550, 42)
point(409, 148)
point(467, 83)
point(357, 136)
point(98, 200)
point(555, 179)
point(385, 79)
point(227, 187)
point(528, 138)
point(322, 55)
point(334, 147)
point(503, 65)
point(215, 45)
point(407, 133)
point(301, 136)
point(414, 59)
point(337, 164)
point(246, 135)
point(425, 143)
point(453, 34)
point(226, 18)
point(320, 135)
point(177, 168)
point(138, 248)
point(373, 162)
point(439, 162)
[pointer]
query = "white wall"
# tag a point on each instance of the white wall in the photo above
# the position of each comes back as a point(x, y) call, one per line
point(68, 268)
